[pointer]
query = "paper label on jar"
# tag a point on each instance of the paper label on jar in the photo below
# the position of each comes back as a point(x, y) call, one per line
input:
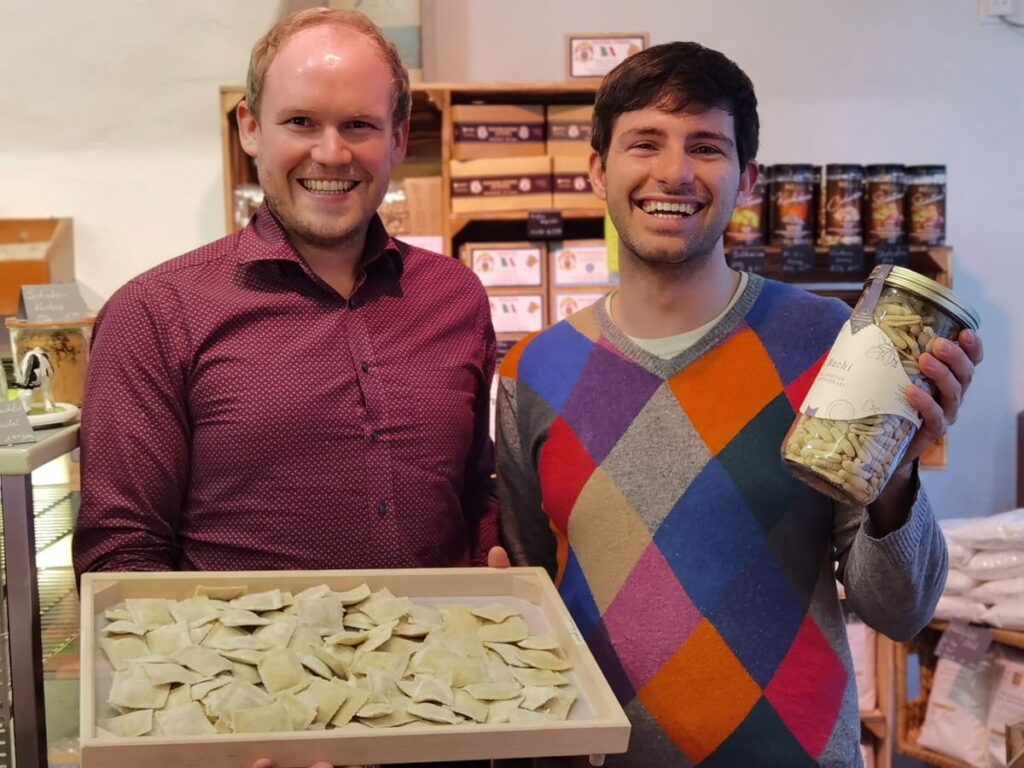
point(862, 376)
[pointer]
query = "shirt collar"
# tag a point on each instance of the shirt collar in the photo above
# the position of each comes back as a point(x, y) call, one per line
point(264, 239)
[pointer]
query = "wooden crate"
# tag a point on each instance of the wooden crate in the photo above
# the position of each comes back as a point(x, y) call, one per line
point(597, 726)
point(910, 713)
point(33, 252)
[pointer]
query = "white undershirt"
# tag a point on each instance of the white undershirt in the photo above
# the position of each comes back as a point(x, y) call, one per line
point(668, 347)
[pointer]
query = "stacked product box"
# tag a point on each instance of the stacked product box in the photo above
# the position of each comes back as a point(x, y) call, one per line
point(515, 278)
point(578, 275)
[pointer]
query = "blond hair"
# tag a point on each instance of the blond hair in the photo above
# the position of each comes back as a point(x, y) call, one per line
point(266, 48)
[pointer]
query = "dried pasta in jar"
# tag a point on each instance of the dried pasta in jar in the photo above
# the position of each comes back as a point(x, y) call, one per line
point(855, 423)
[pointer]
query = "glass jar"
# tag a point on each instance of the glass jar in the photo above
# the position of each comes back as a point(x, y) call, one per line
point(855, 423)
point(792, 205)
point(843, 208)
point(66, 344)
point(926, 204)
point(886, 193)
point(747, 224)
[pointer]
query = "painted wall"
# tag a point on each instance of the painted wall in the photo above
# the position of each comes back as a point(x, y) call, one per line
point(112, 118)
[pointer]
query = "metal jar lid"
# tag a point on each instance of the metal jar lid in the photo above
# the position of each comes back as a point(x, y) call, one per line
point(925, 287)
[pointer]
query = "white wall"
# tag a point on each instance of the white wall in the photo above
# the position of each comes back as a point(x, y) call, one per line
point(111, 117)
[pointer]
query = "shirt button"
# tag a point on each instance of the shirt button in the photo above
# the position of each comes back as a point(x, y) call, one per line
point(382, 508)
point(354, 303)
point(366, 367)
point(374, 436)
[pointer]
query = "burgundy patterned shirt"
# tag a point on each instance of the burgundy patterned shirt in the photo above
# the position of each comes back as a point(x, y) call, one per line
point(240, 414)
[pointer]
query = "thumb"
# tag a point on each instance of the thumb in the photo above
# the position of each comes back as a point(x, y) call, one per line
point(497, 557)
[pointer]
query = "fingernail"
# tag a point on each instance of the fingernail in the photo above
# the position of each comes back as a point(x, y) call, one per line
point(968, 337)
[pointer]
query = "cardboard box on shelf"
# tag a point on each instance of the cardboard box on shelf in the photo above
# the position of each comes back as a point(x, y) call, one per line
point(570, 184)
point(517, 311)
point(497, 130)
point(569, 129)
point(507, 265)
point(579, 263)
point(33, 252)
point(424, 194)
point(568, 301)
point(501, 184)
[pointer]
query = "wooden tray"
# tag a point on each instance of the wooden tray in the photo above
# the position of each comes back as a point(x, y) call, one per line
point(597, 725)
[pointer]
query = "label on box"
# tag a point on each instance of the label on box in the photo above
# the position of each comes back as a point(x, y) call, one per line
point(893, 254)
point(568, 131)
point(56, 302)
point(544, 225)
point(964, 644)
point(572, 183)
point(581, 265)
point(566, 304)
point(501, 186)
point(845, 259)
point(499, 133)
point(796, 258)
point(507, 266)
point(747, 259)
point(517, 314)
point(14, 424)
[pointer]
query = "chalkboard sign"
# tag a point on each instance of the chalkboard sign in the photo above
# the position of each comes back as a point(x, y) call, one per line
point(797, 258)
point(898, 255)
point(53, 303)
point(846, 259)
point(747, 258)
point(544, 225)
point(14, 425)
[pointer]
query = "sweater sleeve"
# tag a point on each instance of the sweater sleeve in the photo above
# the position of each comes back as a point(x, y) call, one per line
point(525, 531)
point(892, 582)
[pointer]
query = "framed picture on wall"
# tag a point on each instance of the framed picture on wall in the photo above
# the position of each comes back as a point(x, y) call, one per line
point(592, 56)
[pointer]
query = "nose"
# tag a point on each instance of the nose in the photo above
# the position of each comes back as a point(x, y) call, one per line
point(675, 168)
point(331, 148)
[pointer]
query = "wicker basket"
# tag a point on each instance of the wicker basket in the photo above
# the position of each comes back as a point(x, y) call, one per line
point(910, 714)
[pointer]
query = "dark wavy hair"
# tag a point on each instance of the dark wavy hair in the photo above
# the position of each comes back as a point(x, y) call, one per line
point(671, 77)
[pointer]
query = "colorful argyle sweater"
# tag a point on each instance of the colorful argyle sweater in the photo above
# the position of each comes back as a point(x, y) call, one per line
point(702, 575)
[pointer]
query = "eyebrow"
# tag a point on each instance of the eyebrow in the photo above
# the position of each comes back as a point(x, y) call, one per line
point(696, 136)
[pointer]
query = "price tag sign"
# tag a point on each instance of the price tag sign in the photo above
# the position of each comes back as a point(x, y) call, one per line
point(51, 303)
point(797, 258)
point(14, 425)
point(898, 255)
point(747, 258)
point(544, 225)
point(964, 644)
point(846, 259)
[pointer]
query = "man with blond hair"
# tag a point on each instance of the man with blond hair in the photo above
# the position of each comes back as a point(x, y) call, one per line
point(199, 451)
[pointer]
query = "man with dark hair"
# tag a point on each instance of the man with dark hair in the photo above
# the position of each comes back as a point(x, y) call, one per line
point(638, 454)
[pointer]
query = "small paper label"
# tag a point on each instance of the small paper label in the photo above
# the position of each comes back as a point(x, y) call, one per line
point(964, 644)
point(517, 314)
point(747, 259)
point(581, 265)
point(14, 425)
point(507, 266)
point(544, 225)
point(862, 376)
point(845, 259)
point(796, 258)
point(898, 255)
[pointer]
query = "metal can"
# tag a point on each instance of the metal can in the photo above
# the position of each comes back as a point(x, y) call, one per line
point(844, 203)
point(747, 225)
point(792, 205)
point(926, 204)
point(886, 193)
point(855, 424)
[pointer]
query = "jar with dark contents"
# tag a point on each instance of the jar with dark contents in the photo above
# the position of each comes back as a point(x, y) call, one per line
point(749, 217)
point(926, 204)
point(885, 186)
point(843, 206)
point(792, 205)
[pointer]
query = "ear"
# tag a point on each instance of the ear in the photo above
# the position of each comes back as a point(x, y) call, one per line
point(748, 178)
point(248, 129)
point(401, 143)
point(597, 176)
